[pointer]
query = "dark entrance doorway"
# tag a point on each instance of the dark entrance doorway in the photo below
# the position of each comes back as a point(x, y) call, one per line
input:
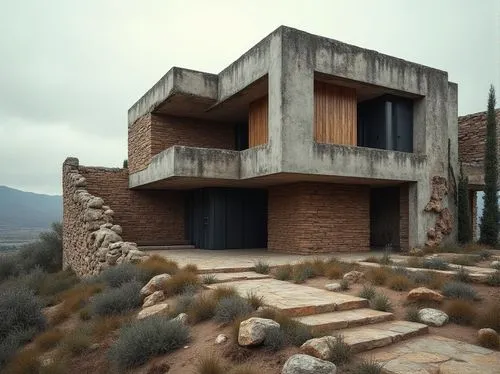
point(385, 217)
point(224, 218)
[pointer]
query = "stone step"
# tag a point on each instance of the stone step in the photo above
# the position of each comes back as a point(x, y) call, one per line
point(230, 277)
point(294, 299)
point(380, 335)
point(319, 323)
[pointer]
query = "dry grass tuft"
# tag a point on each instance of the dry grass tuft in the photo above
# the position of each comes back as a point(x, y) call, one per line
point(103, 326)
point(223, 291)
point(24, 362)
point(461, 312)
point(489, 317)
point(254, 300)
point(48, 340)
point(190, 268)
point(210, 364)
point(399, 283)
point(284, 272)
point(179, 282)
point(333, 271)
point(379, 275)
point(158, 265)
point(202, 308)
point(414, 262)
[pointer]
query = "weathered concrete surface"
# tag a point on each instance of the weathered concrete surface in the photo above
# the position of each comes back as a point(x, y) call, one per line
point(435, 354)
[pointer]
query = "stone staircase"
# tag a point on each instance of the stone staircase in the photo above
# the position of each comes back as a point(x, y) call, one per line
point(325, 312)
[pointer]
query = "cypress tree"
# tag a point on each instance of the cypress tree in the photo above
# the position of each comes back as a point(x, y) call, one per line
point(489, 223)
point(464, 214)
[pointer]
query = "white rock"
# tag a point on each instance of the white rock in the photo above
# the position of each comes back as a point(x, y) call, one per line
point(432, 317)
point(354, 276)
point(182, 318)
point(253, 330)
point(153, 299)
point(154, 284)
point(305, 364)
point(319, 347)
point(157, 309)
point(333, 287)
point(221, 338)
point(495, 264)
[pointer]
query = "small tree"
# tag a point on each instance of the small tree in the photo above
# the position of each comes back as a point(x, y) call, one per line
point(489, 223)
point(125, 164)
point(464, 217)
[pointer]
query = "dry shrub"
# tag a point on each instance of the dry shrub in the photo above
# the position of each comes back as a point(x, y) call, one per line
point(461, 312)
point(459, 290)
point(436, 281)
point(23, 362)
point(230, 308)
point(399, 283)
point(412, 314)
point(284, 272)
point(318, 266)
point(378, 275)
point(333, 271)
point(103, 326)
point(48, 339)
point(255, 300)
point(491, 341)
point(72, 300)
point(340, 351)
point(489, 317)
point(295, 333)
point(191, 268)
point(159, 265)
point(261, 267)
point(372, 259)
point(179, 282)
point(210, 364)
point(223, 291)
point(381, 302)
point(201, 308)
point(75, 343)
point(414, 262)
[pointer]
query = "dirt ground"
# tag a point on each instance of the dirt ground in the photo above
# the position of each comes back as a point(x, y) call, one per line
point(450, 330)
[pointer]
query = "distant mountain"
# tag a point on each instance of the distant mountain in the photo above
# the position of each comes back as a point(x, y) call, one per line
point(27, 210)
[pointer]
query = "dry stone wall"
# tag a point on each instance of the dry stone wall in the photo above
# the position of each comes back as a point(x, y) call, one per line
point(444, 219)
point(91, 239)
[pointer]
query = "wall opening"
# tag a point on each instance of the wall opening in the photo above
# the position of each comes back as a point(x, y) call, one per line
point(258, 126)
point(385, 217)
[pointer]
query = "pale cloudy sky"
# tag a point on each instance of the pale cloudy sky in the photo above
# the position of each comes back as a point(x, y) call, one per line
point(69, 70)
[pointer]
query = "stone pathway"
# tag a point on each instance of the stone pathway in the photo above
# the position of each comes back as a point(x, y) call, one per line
point(229, 277)
point(433, 354)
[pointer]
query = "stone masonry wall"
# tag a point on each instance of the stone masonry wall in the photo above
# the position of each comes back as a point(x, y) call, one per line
point(152, 134)
point(319, 217)
point(92, 239)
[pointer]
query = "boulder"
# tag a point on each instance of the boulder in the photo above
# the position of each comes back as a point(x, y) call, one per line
point(495, 264)
point(319, 347)
point(126, 247)
point(221, 338)
point(432, 317)
point(109, 212)
point(95, 202)
point(253, 330)
point(153, 299)
point(424, 293)
point(182, 318)
point(104, 237)
point(154, 284)
point(488, 335)
point(354, 277)
point(305, 364)
point(153, 310)
point(106, 226)
point(117, 229)
point(135, 256)
point(92, 214)
point(333, 287)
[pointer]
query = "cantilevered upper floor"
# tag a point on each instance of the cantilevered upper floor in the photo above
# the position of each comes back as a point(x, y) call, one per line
point(295, 107)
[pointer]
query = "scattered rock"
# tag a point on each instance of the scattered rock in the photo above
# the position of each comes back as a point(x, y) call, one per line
point(354, 276)
point(221, 338)
point(333, 287)
point(424, 293)
point(94, 347)
point(154, 284)
point(153, 310)
point(432, 317)
point(182, 318)
point(153, 299)
point(487, 334)
point(319, 347)
point(253, 330)
point(305, 364)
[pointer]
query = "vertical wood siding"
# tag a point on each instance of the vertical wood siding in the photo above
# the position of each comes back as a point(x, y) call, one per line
point(258, 123)
point(335, 114)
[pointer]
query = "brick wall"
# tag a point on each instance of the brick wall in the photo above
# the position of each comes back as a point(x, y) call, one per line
point(319, 217)
point(404, 214)
point(152, 134)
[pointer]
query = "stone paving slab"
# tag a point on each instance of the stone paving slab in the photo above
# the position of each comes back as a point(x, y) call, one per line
point(380, 335)
point(295, 299)
point(327, 322)
point(436, 354)
point(244, 275)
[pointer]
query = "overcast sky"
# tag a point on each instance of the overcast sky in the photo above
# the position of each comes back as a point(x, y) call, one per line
point(69, 70)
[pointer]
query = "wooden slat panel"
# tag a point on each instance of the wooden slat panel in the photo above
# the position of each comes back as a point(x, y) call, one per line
point(258, 130)
point(335, 114)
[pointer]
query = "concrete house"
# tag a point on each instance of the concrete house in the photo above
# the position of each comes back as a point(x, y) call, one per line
point(304, 144)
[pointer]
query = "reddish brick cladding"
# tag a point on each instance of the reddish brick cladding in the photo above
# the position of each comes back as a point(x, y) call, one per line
point(319, 217)
point(404, 214)
point(154, 133)
point(146, 216)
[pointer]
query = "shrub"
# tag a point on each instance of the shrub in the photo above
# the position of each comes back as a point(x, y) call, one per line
point(295, 332)
point(412, 314)
point(299, 277)
point(303, 270)
point(489, 317)
point(318, 266)
point(484, 254)
point(367, 292)
point(156, 265)
point(400, 283)
point(254, 300)
point(494, 279)
point(459, 290)
point(414, 262)
point(261, 267)
point(275, 339)
point(460, 312)
point(202, 308)
point(117, 300)
point(210, 364)
point(420, 277)
point(75, 343)
point(284, 272)
point(491, 341)
point(230, 308)
point(368, 367)
point(340, 351)
point(72, 300)
point(9, 266)
point(115, 276)
point(344, 285)
point(378, 275)
point(224, 291)
point(401, 270)
point(179, 282)
point(496, 266)
point(102, 326)
point(435, 263)
point(147, 338)
point(462, 275)
point(334, 271)
point(48, 340)
point(386, 258)
point(381, 302)
point(436, 281)
point(85, 314)
point(372, 259)
point(208, 279)
point(55, 283)
point(182, 303)
point(465, 260)
point(23, 362)
point(190, 268)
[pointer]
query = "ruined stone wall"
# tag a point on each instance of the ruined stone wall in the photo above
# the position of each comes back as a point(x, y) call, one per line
point(152, 134)
point(319, 217)
point(100, 213)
